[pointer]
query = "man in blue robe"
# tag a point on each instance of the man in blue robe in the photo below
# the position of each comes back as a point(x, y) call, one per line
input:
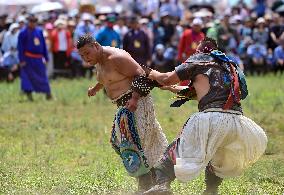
point(33, 56)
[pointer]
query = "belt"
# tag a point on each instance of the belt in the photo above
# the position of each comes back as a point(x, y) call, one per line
point(32, 55)
point(222, 111)
point(123, 98)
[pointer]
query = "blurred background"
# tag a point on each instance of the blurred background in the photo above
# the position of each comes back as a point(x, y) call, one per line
point(157, 33)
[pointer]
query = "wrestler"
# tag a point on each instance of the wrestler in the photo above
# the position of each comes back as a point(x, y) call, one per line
point(218, 138)
point(136, 134)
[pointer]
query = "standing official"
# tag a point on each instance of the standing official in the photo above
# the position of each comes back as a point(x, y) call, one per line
point(33, 56)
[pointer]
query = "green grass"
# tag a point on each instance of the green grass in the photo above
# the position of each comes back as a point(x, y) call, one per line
point(62, 146)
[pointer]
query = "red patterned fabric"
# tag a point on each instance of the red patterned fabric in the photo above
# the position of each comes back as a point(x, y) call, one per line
point(234, 96)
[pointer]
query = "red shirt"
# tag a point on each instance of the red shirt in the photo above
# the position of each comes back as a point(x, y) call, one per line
point(55, 41)
point(187, 46)
point(188, 43)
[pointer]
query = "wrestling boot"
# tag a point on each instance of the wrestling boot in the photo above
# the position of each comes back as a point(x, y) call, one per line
point(164, 174)
point(212, 182)
point(144, 183)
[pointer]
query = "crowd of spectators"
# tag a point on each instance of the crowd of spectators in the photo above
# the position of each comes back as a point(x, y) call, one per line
point(253, 37)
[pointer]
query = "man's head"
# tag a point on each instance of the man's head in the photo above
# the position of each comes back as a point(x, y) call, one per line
point(225, 19)
point(32, 21)
point(111, 19)
point(89, 49)
point(87, 18)
point(14, 28)
point(260, 22)
point(60, 24)
point(207, 45)
point(133, 22)
point(197, 25)
point(21, 21)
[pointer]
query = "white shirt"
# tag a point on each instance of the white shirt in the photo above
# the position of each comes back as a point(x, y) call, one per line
point(62, 40)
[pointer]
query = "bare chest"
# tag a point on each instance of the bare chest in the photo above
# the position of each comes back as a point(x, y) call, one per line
point(107, 74)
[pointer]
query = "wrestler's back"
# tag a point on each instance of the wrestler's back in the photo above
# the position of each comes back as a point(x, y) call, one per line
point(201, 86)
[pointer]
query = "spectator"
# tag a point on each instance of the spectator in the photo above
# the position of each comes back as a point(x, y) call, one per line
point(158, 60)
point(144, 25)
point(245, 37)
point(172, 8)
point(158, 33)
point(32, 54)
point(168, 27)
point(120, 28)
point(3, 27)
point(260, 7)
point(10, 40)
point(190, 39)
point(137, 7)
point(21, 21)
point(71, 25)
point(136, 43)
point(257, 53)
point(62, 46)
point(276, 31)
point(212, 31)
point(225, 33)
point(48, 28)
point(270, 61)
point(107, 36)
point(260, 33)
point(279, 57)
point(170, 58)
point(10, 64)
point(85, 26)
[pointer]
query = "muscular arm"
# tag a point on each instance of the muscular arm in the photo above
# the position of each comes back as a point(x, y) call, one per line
point(127, 66)
point(168, 78)
point(181, 73)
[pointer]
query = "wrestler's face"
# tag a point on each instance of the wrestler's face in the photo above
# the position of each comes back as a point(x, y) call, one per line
point(90, 53)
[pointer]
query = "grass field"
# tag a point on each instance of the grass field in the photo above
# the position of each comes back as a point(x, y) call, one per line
point(62, 146)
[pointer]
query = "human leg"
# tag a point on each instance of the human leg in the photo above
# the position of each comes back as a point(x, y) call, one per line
point(29, 95)
point(144, 182)
point(164, 172)
point(212, 181)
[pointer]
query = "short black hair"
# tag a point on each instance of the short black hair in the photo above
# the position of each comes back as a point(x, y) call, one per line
point(32, 18)
point(86, 39)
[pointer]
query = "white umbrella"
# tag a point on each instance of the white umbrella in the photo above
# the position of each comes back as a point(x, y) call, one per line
point(202, 13)
point(104, 9)
point(20, 2)
point(47, 6)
